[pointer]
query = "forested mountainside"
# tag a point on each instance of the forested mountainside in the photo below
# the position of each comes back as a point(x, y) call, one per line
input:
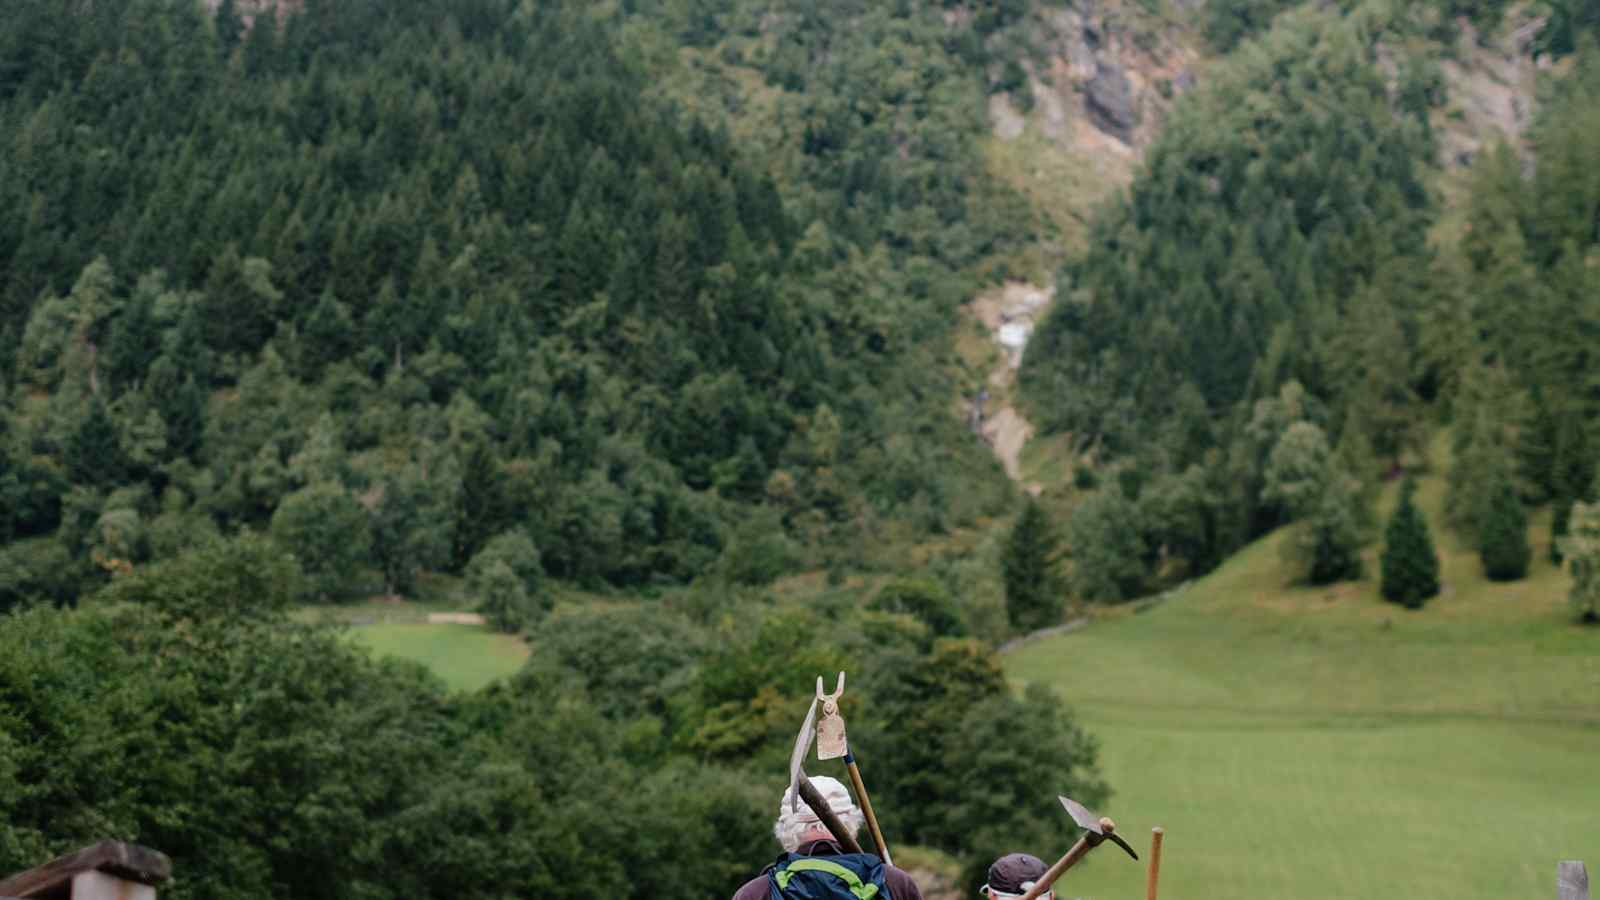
point(364, 291)
point(455, 271)
point(1263, 328)
point(658, 300)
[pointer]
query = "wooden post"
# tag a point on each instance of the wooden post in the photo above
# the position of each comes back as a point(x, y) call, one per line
point(1572, 880)
point(109, 870)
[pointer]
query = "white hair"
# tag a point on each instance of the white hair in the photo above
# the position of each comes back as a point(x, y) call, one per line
point(794, 829)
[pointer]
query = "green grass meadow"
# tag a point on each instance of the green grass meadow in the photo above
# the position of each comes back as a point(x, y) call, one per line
point(466, 657)
point(1321, 743)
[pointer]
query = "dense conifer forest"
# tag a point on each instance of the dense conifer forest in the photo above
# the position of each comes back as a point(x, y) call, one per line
point(454, 265)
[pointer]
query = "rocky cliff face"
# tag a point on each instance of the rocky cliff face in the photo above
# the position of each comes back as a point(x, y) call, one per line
point(1106, 77)
point(1491, 84)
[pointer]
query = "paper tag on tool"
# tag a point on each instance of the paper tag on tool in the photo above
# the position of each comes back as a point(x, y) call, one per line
point(830, 733)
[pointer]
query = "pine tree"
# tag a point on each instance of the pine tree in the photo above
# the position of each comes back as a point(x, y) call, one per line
point(1410, 565)
point(1503, 533)
point(1033, 589)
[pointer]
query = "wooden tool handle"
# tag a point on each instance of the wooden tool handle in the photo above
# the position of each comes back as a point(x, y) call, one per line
point(1084, 845)
point(819, 805)
point(1155, 862)
point(866, 807)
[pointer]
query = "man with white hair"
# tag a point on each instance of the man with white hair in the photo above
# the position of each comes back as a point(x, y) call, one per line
point(1012, 875)
point(813, 864)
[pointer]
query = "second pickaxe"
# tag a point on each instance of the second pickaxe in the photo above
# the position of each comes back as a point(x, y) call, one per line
point(1096, 830)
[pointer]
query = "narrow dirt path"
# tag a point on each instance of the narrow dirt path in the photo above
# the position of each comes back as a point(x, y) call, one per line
point(1010, 312)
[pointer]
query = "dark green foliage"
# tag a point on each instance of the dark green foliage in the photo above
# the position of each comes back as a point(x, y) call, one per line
point(1330, 539)
point(1571, 21)
point(39, 570)
point(1572, 478)
point(408, 533)
point(969, 755)
point(326, 530)
point(508, 582)
point(1048, 747)
point(1503, 533)
point(93, 455)
point(926, 600)
point(1028, 567)
point(1560, 526)
point(242, 579)
point(1185, 518)
point(1230, 21)
point(1107, 543)
point(1410, 565)
point(633, 660)
point(386, 215)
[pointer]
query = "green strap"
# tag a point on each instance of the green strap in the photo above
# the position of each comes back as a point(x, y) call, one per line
point(862, 891)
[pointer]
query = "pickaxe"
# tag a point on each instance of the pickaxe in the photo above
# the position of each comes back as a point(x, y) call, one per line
point(1096, 830)
point(800, 786)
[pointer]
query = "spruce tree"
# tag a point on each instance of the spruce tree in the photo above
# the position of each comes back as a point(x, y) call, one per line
point(1503, 533)
point(1410, 565)
point(1033, 590)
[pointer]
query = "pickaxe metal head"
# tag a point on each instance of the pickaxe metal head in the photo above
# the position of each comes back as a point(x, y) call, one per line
point(797, 758)
point(1097, 825)
point(1098, 829)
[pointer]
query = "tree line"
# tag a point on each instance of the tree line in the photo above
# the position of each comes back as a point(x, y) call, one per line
point(640, 753)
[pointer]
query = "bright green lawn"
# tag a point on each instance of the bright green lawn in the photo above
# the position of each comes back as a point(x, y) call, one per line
point(466, 657)
point(1321, 743)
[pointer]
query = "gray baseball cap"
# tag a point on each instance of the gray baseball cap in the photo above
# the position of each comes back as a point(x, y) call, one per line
point(1010, 873)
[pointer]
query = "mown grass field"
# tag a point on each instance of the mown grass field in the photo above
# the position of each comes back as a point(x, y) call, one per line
point(1320, 743)
point(466, 657)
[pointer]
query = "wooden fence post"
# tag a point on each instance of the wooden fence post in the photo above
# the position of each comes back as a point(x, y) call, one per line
point(1572, 880)
point(109, 870)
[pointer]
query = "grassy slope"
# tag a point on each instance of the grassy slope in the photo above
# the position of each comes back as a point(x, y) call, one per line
point(1322, 743)
point(466, 657)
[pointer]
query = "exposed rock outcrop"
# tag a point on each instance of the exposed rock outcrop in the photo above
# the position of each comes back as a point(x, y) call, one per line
point(1492, 91)
point(1108, 66)
point(1109, 101)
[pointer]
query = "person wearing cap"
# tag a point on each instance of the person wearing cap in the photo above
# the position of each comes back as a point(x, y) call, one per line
point(1012, 875)
point(800, 831)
